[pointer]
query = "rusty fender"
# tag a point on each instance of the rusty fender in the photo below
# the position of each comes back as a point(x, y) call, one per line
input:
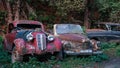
point(20, 46)
point(56, 45)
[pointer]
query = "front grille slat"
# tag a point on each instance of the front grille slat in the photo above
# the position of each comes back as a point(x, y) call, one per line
point(41, 41)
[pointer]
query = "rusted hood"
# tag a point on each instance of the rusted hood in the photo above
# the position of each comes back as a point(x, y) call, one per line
point(72, 37)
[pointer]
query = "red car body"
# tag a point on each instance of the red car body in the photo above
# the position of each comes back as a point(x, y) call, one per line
point(23, 37)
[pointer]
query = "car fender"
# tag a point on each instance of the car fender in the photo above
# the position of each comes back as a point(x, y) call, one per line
point(20, 45)
point(5, 44)
point(58, 44)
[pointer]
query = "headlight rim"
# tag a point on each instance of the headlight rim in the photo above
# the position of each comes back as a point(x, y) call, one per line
point(49, 37)
point(29, 37)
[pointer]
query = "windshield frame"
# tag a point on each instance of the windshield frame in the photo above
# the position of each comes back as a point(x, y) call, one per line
point(67, 29)
point(114, 27)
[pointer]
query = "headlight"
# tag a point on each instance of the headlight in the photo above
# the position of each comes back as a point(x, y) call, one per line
point(83, 40)
point(50, 37)
point(29, 37)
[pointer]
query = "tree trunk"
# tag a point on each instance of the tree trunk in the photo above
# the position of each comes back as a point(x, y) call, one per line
point(30, 10)
point(86, 14)
point(17, 9)
point(9, 16)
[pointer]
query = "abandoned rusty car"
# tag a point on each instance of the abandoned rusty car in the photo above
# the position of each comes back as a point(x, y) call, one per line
point(28, 37)
point(105, 32)
point(74, 40)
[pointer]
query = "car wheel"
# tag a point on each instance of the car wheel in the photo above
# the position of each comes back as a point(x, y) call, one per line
point(16, 57)
point(60, 55)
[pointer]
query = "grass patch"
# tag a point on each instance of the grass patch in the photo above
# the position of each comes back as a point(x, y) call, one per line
point(4, 56)
point(111, 49)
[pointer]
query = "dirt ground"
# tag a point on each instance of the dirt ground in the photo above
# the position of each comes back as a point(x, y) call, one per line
point(113, 62)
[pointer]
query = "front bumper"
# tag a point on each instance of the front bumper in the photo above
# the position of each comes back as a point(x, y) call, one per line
point(83, 52)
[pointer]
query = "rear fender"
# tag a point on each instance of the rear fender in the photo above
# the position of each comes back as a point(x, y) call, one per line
point(20, 46)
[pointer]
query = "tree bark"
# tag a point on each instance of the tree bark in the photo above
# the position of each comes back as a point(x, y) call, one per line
point(30, 10)
point(9, 15)
point(17, 9)
point(86, 14)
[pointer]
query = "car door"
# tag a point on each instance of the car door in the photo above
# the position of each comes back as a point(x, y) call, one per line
point(9, 37)
point(116, 34)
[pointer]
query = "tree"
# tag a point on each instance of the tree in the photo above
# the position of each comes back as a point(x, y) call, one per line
point(109, 10)
point(17, 9)
point(67, 8)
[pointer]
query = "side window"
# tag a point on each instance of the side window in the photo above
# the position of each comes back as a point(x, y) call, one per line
point(103, 26)
point(10, 27)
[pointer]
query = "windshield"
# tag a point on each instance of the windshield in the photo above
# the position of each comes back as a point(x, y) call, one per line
point(28, 26)
point(68, 28)
point(115, 27)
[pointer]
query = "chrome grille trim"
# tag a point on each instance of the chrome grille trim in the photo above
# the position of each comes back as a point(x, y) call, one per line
point(86, 45)
point(76, 46)
point(41, 41)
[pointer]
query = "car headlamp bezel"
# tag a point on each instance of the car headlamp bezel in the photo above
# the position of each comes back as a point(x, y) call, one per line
point(50, 37)
point(29, 37)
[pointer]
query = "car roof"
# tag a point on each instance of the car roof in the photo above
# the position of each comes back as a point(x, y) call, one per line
point(26, 22)
point(108, 23)
point(66, 24)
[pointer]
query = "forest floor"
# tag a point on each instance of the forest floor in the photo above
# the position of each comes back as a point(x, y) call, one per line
point(113, 62)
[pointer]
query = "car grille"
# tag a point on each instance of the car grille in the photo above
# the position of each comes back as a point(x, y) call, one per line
point(86, 45)
point(76, 46)
point(41, 41)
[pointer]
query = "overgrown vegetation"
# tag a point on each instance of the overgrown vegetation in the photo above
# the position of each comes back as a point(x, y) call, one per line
point(110, 49)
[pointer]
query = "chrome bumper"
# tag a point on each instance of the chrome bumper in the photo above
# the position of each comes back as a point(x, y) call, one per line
point(83, 52)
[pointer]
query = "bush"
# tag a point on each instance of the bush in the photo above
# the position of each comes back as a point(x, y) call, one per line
point(108, 45)
point(1, 39)
point(99, 58)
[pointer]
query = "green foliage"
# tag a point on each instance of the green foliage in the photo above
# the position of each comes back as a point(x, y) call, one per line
point(112, 49)
point(2, 17)
point(109, 10)
point(99, 58)
point(1, 39)
point(4, 56)
point(32, 16)
point(108, 45)
point(65, 6)
point(118, 50)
